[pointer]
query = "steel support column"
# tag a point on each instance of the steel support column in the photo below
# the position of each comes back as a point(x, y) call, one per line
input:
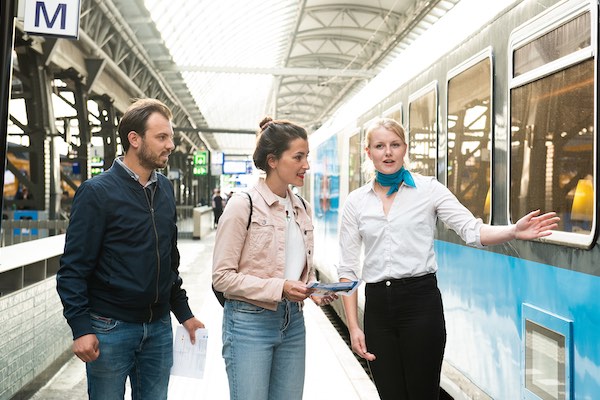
point(40, 126)
point(108, 128)
point(7, 37)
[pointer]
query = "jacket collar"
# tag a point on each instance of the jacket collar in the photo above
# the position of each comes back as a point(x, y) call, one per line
point(124, 171)
point(270, 197)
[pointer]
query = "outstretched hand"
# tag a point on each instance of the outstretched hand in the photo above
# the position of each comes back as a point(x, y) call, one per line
point(534, 225)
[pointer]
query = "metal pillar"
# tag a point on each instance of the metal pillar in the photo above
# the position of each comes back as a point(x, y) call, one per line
point(7, 37)
point(39, 126)
point(108, 128)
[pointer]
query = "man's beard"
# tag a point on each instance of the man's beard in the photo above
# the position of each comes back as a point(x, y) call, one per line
point(149, 160)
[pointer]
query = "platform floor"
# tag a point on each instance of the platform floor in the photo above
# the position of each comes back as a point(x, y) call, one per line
point(332, 370)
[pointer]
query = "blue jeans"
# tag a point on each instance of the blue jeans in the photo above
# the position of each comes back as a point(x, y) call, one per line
point(141, 351)
point(264, 351)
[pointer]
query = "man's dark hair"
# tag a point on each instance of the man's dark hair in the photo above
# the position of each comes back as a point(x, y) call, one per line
point(137, 115)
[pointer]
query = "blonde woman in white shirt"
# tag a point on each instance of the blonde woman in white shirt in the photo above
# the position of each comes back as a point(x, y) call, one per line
point(394, 216)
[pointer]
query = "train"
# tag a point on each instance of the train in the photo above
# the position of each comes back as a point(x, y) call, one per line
point(500, 103)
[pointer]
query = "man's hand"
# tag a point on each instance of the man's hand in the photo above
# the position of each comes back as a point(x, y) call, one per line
point(86, 347)
point(191, 325)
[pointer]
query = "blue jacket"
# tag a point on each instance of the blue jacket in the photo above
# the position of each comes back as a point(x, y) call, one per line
point(121, 259)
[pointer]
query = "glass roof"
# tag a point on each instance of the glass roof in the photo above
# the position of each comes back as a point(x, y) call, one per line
point(300, 60)
point(227, 35)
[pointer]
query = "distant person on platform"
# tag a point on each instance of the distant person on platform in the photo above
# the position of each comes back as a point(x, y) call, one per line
point(24, 194)
point(217, 206)
point(119, 279)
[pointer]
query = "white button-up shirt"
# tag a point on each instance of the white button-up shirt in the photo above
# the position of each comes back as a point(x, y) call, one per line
point(400, 244)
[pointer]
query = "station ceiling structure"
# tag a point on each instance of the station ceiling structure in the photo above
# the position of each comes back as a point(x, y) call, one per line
point(232, 62)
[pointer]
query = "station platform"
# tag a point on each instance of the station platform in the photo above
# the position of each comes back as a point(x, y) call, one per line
point(332, 371)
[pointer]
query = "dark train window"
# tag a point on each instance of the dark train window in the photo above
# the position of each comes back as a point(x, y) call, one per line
point(469, 137)
point(552, 141)
point(422, 132)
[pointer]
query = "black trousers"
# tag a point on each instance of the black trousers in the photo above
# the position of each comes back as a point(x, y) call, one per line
point(405, 329)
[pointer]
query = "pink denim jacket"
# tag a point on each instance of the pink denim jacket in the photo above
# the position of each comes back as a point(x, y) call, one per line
point(248, 264)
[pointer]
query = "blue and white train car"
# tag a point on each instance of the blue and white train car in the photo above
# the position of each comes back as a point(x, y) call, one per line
point(500, 102)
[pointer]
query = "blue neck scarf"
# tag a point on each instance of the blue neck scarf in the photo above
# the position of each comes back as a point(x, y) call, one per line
point(395, 180)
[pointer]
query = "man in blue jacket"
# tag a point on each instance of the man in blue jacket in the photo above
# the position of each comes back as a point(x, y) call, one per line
point(119, 278)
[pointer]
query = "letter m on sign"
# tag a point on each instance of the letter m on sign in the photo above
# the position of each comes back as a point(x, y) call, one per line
point(61, 9)
point(52, 17)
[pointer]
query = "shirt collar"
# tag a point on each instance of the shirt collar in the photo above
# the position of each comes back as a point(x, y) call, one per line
point(134, 176)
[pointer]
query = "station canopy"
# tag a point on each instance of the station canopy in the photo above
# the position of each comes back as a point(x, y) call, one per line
point(241, 60)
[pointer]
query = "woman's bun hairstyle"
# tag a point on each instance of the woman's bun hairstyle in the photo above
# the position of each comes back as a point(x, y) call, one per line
point(273, 139)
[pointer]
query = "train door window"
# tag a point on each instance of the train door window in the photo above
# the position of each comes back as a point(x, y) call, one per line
point(422, 131)
point(544, 362)
point(547, 354)
point(552, 115)
point(469, 136)
point(355, 162)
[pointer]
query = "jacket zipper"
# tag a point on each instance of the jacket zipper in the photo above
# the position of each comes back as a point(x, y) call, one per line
point(150, 201)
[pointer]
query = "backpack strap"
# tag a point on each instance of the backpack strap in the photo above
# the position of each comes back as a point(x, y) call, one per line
point(302, 200)
point(250, 214)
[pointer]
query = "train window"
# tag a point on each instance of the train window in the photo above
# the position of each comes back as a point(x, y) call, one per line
point(469, 137)
point(395, 114)
point(422, 132)
point(355, 163)
point(544, 362)
point(552, 137)
point(547, 351)
point(564, 40)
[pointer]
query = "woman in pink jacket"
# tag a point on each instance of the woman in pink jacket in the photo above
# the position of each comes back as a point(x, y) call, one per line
point(262, 261)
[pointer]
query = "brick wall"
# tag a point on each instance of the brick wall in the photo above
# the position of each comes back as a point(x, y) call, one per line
point(33, 335)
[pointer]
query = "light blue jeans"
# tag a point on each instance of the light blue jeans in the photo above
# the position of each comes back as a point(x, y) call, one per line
point(144, 352)
point(264, 351)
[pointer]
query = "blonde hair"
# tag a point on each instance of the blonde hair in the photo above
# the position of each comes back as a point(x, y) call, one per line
point(391, 125)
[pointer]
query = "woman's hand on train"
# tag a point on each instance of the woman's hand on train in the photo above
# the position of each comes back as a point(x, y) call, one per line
point(324, 300)
point(296, 291)
point(534, 225)
point(357, 339)
point(86, 347)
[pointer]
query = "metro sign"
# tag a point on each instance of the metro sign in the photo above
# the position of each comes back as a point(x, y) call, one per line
point(52, 18)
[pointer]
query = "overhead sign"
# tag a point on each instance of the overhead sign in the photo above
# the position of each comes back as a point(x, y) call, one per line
point(200, 163)
point(52, 18)
point(201, 158)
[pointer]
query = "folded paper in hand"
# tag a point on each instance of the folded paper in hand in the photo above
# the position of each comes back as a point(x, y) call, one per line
point(340, 288)
point(189, 359)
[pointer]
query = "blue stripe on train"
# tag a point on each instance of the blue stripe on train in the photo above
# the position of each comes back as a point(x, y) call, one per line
point(483, 293)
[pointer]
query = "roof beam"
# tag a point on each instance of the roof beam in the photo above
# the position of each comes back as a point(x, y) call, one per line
point(213, 130)
point(353, 73)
